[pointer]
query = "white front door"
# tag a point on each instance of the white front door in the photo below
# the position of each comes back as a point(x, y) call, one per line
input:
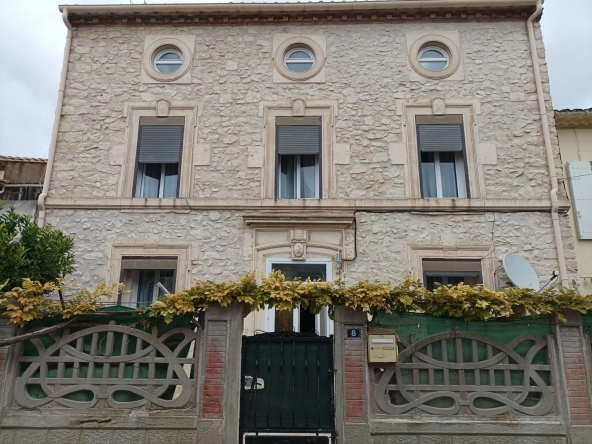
point(302, 319)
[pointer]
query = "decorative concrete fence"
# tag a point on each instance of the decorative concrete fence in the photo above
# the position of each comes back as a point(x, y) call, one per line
point(525, 381)
point(113, 366)
point(123, 381)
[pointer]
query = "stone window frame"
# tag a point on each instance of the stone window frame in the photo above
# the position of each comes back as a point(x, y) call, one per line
point(181, 251)
point(154, 44)
point(469, 109)
point(449, 41)
point(275, 237)
point(482, 252)
point(191, 152)
point(282, 43)
point(327, 110)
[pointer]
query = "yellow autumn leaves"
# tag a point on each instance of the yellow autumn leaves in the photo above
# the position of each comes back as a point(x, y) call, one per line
point(458, 301)
point(30, 301)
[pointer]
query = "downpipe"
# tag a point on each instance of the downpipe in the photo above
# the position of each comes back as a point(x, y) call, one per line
point(56, 122)
point(548, 146)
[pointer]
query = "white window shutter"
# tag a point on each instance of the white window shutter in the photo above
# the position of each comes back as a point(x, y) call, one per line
point(580, 183)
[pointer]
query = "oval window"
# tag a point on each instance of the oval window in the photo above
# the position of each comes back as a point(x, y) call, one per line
point(299, 60)
point(433, 58)
point(168, 61)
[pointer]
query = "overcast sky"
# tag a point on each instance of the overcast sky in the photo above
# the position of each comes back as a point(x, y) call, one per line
point(32, 38)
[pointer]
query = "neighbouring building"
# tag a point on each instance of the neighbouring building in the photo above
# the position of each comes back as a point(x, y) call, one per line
point(332, 140)
point(574, 129)
point(21, 180)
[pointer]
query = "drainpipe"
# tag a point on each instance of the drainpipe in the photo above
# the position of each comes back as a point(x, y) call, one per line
point(56, 122)
point(548, 146)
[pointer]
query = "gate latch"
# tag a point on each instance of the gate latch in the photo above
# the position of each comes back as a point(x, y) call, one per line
point(249, 383)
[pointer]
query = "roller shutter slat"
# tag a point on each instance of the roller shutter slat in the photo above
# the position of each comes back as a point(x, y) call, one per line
point(439, 138)
point(160, 143)
point(299, 139)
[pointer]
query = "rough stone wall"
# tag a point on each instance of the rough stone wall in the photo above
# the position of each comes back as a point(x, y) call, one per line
point(218, 239)
point(383, 240)
point(366, 72)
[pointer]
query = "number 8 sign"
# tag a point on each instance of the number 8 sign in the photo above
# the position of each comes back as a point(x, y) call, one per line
point(354, 333)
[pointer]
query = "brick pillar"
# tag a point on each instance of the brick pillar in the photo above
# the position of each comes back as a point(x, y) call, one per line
point(6, 331)
point(351, 378)
point(219, 377)
point(575, 367)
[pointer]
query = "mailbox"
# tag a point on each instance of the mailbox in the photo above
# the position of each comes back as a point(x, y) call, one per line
point(382, 348)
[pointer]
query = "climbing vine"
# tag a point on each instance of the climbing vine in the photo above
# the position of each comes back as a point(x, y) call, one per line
point(458, 301)
point(30, 301)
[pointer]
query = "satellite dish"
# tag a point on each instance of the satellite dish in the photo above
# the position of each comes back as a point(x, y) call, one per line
point(520, 271)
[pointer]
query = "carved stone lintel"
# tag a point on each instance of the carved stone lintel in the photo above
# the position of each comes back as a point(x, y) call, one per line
point(298, 107)
point(162, 108)
point(299, 251)
point(298, 236)
point(438, 107)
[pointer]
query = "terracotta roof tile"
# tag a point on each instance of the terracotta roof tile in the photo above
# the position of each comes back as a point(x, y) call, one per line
point(22, 159)
point(573, 118)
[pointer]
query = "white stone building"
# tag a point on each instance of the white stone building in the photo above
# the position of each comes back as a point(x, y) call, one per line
point(206, 141)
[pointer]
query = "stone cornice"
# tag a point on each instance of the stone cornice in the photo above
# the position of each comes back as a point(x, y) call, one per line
point(260, 13)
point(270, 219)
point(308, 206)
point(576, 118)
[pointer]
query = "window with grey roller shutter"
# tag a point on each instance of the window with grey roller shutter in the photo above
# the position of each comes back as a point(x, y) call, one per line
point(298, 139)
point(438, 138)
point(160, 143)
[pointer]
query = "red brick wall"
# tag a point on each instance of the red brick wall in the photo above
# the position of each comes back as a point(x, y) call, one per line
point(356, 408)
point(216, 340)
point(6, 331)
point(575, 375)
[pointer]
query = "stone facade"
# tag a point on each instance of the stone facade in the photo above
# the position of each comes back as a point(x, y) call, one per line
point(227, 219)
point(367, 79)
point(367, 75)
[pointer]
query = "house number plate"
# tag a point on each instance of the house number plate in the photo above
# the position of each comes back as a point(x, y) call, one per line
point(354, 333)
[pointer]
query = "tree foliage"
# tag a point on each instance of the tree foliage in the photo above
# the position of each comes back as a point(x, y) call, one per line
point(28, 251)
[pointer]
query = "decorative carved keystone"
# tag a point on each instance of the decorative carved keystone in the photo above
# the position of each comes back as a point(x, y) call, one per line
point(299, 236)
point(162, 108)
point(298, 107)
point(298, 239)
point(298, 251)
point(438, 107)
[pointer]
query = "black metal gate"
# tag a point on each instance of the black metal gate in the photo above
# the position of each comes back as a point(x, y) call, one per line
point(287, 383)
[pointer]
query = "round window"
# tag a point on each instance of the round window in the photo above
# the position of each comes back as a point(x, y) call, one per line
point(168, 61)
point(433, 58)
point(299, 59)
